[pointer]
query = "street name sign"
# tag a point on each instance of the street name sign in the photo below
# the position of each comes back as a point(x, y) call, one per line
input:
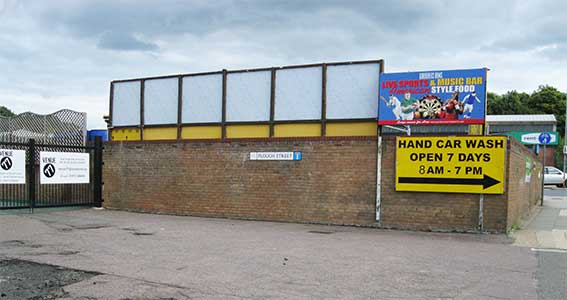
point(296, 155)
point(451, 164)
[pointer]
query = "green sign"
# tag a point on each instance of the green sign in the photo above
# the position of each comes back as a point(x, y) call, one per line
point(536, 138)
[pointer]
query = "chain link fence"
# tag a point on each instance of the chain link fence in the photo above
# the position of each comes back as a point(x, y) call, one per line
point(64, 127)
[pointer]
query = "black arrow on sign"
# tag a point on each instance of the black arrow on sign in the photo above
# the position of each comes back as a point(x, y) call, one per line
point(486, 181)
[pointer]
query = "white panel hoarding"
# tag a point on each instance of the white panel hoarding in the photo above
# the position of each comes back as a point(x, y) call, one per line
point(64, 167)
point(126, 103)
point(202, 99)
point(298, 94)
point(248, 96)
point(352, 91)
point(12, 166)
point(160, 101)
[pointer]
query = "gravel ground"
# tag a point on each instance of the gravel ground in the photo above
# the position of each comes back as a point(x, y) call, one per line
point(21, 279)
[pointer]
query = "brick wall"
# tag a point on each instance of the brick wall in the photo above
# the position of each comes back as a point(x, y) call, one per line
point(334, 183)
point(522, 196)
point(459, 212)
point(549, 155)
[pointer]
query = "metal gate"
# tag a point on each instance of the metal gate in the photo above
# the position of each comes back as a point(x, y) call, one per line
point(34, 194)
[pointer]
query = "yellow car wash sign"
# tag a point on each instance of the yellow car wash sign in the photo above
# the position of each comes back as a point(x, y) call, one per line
point(451, 164)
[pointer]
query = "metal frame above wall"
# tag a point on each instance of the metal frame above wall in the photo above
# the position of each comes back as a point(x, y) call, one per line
point(271, 122)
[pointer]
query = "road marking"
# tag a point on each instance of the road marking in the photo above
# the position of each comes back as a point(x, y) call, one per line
point(545, 239)
point(563, 213)
point(560, 238)
point(549, 250)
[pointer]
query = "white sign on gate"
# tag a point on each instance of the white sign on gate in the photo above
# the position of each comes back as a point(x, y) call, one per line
point(12, 166)
point(64, 167)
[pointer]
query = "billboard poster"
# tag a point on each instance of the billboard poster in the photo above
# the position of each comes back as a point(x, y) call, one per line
point(64, 167)
point(12, 166)
point(432, 97)
point(457, 164)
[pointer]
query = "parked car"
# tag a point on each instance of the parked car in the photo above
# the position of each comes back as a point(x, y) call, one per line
point(552, 175)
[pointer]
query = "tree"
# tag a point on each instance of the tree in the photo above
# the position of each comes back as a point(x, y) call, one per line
point(559, 152)
point(511, 103)
point(494, 104)
point(545, 100)
point(548, 100)
point(5, 112)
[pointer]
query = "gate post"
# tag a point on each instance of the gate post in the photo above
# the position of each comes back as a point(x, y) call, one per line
point(98, 172)
point(31, 174)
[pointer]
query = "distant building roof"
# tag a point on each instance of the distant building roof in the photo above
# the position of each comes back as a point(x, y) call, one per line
point(492, 119)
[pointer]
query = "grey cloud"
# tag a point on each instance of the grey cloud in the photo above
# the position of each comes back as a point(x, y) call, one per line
point(122, 41)
point(557, 52)
point(10, 51)
point(92, 18)
point(71, 49)
point(536, 35)
point(117, 25)
point(534, 25)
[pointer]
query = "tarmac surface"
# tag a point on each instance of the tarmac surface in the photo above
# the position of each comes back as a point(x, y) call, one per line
point(121, 255)
point(546, 235)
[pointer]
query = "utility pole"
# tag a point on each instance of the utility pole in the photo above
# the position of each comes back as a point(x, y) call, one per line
point(543, 175)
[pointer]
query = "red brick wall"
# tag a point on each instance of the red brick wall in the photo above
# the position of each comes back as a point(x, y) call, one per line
point(334, 183)
point(549, 155)
point(522, 196)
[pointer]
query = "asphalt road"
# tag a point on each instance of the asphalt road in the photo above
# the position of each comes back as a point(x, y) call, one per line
point(123, 255)
point(552, 275)
point(555, 192)
point(546, 235)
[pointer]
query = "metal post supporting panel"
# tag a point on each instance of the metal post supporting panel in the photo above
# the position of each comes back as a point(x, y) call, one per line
point(31, 174)
point(481, 213)
point(543, 173)
point(379, 177)
point(98, 172)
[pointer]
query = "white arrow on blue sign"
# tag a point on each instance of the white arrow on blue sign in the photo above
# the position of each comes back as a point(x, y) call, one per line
point(544, 138)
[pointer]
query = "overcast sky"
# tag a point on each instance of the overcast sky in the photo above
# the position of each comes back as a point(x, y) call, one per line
point(63, 54)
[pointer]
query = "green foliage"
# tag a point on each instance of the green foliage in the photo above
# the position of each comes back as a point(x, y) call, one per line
point(559, 153)
point(548, 100)
point(5, 112)
point(545, 100)
point(511, 103)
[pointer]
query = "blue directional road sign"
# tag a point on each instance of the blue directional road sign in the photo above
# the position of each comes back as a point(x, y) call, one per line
point(544, 138)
